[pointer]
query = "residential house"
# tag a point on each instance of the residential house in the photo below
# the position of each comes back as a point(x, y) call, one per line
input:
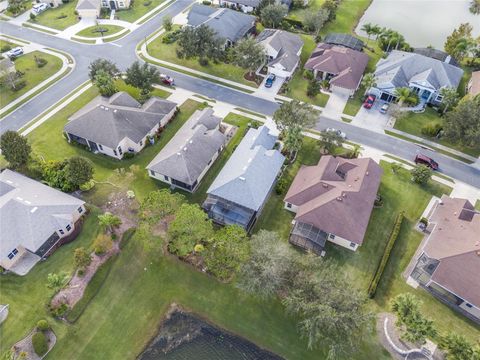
point(116, 4)
point(341, 66)
point(248, 6)
point(426, 76)
point(35, 219)
point(229, 25)
point(447, 262)
point(119, 124)
point(283, 51)
point(333, 201)
point(88, 9)
point(7, 66)
point(473, 87)
point(189, 154)
point(241, 189)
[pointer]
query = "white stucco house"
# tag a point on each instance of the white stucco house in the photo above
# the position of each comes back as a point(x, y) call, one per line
point(119, 124)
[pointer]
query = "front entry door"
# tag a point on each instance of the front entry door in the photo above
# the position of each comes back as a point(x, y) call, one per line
point(113, 5)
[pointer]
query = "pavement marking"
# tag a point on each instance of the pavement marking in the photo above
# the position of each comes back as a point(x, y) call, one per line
point(112, 43)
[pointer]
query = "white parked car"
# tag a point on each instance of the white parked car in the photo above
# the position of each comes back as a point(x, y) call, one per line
point(15, 52)
point(338, 132)
point(39, 8)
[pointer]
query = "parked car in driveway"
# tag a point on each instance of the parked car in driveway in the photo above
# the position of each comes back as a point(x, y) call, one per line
point(338, 132)
point(270, 79)
point(167, 80)
point(425, 160)
point(15, 52)
point(384, 108)
point(368, 103)
point(39, 8)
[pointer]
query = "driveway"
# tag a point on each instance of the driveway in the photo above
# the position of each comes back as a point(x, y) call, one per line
point(271, 92)
point(372, 119)
point(335, 105)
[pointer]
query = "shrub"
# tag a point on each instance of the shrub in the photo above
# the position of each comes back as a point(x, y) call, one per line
point(32, 16)
point(41, 62)
point(39, 342)
point(102, 244)
point(43, 325)
point(421, 174)
point(372, 289)
point(88, 185)
point(61, 16)
point(19, 85)
point(81, 258)
point(206, 2)
point(147, 3)
point(170, 37)
point(5, 48)
point(281, 186)
point(128, 155)
point(296, 24)
point(203, 61)
point(431, 129)
point(424, 221)
point(59, 311)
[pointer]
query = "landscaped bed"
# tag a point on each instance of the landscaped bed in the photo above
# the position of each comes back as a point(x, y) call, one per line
point(33, 74)
point(167, 52)
point(58, 18)
point(100, 31)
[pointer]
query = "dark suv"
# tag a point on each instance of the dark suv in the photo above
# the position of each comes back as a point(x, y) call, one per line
point(425, 160)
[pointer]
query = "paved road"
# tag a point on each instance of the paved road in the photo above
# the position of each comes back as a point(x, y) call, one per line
point(122, 52)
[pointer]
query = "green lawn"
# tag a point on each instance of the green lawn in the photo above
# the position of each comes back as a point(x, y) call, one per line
point(92, 32)
point(137, 9)
point(33, 75)
point(47, 141)
point(167, 52)
point(413, 123)
point(349, 13)
point(300, 14)
point(58, 18)
point(297, 86)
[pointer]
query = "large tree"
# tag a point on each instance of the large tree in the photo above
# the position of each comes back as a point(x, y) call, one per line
point(330, 140)
point(190, 227)
point(229, 249)
point(459, 43)
point(462, 124)
point(265, 272)
point(78, 170)
point(421, 174)
point(249, 54)
point(159, 204)
point(314, 21)
point(102, 64)
point(459, 348)
point(142, 76)
point(293, 114)
point(201, 42)
point(450, 99)
point(105, 83)
point(15, 148)
point(272, 15)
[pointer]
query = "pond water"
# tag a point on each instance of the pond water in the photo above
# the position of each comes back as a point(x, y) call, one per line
point(185, 337)
point(421, 22)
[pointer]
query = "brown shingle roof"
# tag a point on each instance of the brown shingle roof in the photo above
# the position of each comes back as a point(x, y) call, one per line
point(336, 195)
point(346, 64)
point(455, 242)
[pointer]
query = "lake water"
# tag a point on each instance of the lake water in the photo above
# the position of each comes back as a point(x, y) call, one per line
point(421, 22)
point(185, 337)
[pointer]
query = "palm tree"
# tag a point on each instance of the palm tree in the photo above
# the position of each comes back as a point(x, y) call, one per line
point(368, 82)
point(376, 30)
point(109, 221)
point(367, 28)
point(405, 95)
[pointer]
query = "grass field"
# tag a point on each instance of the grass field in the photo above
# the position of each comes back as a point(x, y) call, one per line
point(92, 31)
point(137, 9)
point(413, 124)
point(33, 75)
point(58, 18)
point(167, 52)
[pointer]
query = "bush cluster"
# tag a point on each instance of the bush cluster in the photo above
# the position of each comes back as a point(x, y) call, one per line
point(431, 129)
point(42, 325)
point(281, 186)
point(171, 37)
point(40, 344)
point(102, 244)
point(372, 289)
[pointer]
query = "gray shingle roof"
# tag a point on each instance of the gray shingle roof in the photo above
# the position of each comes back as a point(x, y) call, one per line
point(249, 174)
point(228, 24)
point(287, 45)
point(107, 121)
point(30, 212)
point(187, 154)
point(401, 67)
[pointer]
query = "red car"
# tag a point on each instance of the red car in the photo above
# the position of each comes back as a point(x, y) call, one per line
point(368, 103)
point(167, 80)
point(425, 160)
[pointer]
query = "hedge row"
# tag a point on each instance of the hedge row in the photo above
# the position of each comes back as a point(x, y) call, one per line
point(372, 289)
point(96, 282)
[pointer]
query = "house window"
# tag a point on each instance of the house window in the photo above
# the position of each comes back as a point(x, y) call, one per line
point(15, 252)
point(121, 4)
point(100, 147)
point(141, 142)
point(152, 172)
point(120, 150)
point(68, 228)
point(331, 236)
point(289, 205)
point(12, 254)
point(115, 152)
point(166, 178)
point(80, 210)
point(439, 98)
point(353, 245)
point(61, 231)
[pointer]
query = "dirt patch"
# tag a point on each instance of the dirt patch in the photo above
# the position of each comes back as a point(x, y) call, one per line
point(119, 204)
point(25, 345)
point(73, 292)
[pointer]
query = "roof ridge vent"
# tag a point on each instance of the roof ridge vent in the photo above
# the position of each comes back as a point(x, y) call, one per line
point(242, 178)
